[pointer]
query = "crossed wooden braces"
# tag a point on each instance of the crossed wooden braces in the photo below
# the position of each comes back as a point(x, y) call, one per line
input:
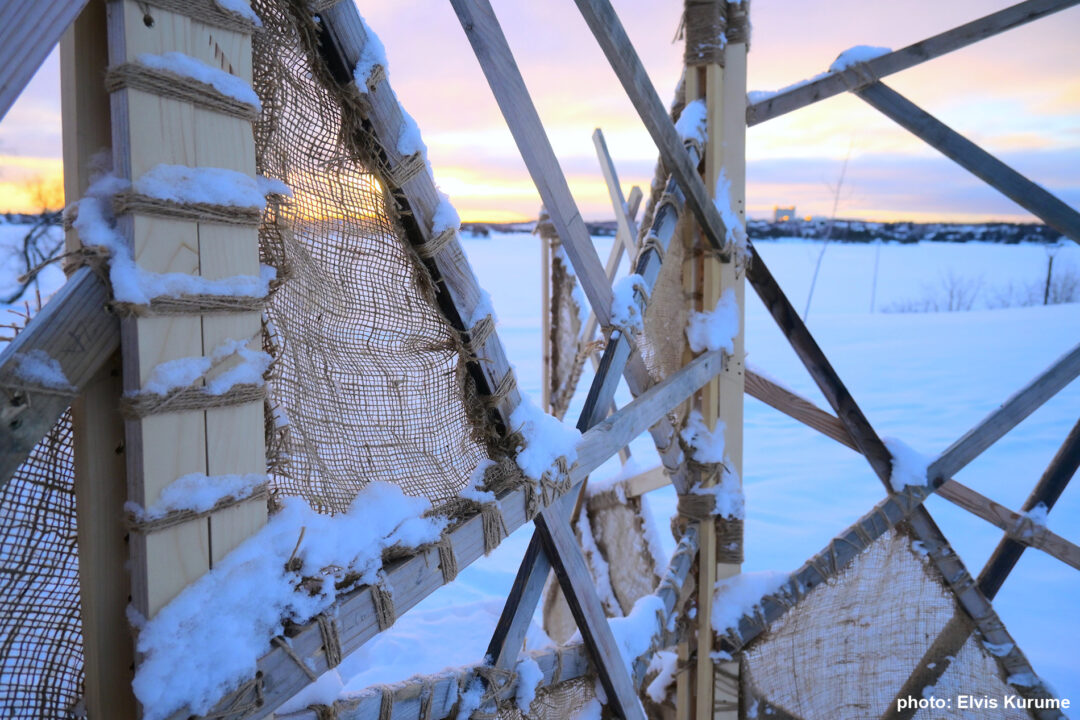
point(76, 319)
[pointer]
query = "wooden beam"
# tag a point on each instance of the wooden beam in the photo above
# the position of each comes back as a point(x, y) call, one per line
point(1046, 492)
point(608, 30)
point(493, 53)
point(626, 229)
point(458, 293)
point(579, 588)
point(645, 482)
point(944, 558)
point(414, 578)
point(831, 84)
point(97, 427)
point(1028, 195)
point(804, 411)
point(1024, 402)
point(28, 33)
point(74, 329)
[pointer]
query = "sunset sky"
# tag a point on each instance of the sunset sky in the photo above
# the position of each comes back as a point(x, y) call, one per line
point(1017, 95)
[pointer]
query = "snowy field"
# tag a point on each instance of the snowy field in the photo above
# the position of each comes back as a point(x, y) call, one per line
point(925, 378)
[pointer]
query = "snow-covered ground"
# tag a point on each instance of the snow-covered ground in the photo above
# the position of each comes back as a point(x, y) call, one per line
point(925, 378)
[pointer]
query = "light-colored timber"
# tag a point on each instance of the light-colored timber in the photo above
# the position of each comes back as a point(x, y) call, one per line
point(28, 33)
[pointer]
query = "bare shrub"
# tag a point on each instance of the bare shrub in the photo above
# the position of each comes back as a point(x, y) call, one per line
point(951, 293)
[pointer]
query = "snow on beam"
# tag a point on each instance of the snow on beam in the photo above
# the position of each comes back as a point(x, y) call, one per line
point(1028, 195)
point(412, 579)
point(556, 664)
point(1018, 530)
point(802, 94)
point(73, 335)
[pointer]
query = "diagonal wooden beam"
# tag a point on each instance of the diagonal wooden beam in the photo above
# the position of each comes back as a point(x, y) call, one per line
point(626, 232)
point(608, 30)
point(28, 33)
point(801, 409)
point(1047, 491)
point(497, 62)
point(1028, 195)
point(75, 329)
point(831, 84)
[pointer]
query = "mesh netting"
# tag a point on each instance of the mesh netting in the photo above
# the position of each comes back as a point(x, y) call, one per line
point(561, 701)
point(41, 660)
point(851, 644)
point(368, 381)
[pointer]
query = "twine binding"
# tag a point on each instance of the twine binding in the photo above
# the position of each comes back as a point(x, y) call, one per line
point(386, 704)
point(136, 76)
point(190, 305)
point(738, 22)
point(494, 525)
point(208, 12)
point(283, 643)
point(705, 23)
point(436, 243)
point(179, 517)
point(331, 641)
point(383, 600)
point(132, 203)
point(447, 559)
point(189, 399)
point(479, 333)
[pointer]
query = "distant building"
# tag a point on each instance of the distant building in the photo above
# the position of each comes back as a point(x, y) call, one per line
point(783, 214)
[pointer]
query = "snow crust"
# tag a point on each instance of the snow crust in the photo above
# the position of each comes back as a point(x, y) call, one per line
point(666, 663)
point(192, 656)
point(706, 446)
point(197, 492)
point(634, 633)
point(272, 186)
point(733, 222)
point(217, 186)
point(856, 55)
point(130, 283)
point(183, 372)
point(691, 124)
point(529, 676)
point(186, 66)
point(1038, 515)
point(715, 329)
point(601, 570)
point(737, 595)
point(628, 297)
point(546, 439)
point(909, 467)
point(372, 55)
point(37, 368)
point(241, 8)
point(446, 216)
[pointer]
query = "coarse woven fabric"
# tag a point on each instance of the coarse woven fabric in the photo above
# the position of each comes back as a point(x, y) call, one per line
point(41, 648)
point(848, 647)
point(559, 701)
point(368, 380)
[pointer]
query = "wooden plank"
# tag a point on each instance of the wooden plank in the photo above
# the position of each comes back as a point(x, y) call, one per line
point(609, 32)
point(1028, 195)
point(1047, 491)
point(493, 53)
point(625, 228)
point(960, 495)
point(947, 562)
point(579, 588)
point(910, 56)
point(28, 33)
point(414, 578)
point(1024, 402)
point(458, 293)
point(97, 428)
point(652, 479)
point(74, 329)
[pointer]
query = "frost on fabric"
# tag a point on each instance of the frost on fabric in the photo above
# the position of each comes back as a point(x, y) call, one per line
point(446, 216)
point(909, 467)
point(856, 55)
point(715, 329)
point(225, 83)
point(215, 186)
point(692, 122)
point(38, 368)
point(192, 656)
point(95, 224)
point(664, 663)
point(706, 446)
point(473, 490)
point(198, 492)
point(738, 595)
point(545, 439)
point(529, 676)
point(183, 372)
point(576, 292)
point(634, 633)
point(241, 8)
point(736, 228)
point(628, 297)
point(592, 710)
point(469, 700)
point(372, 55)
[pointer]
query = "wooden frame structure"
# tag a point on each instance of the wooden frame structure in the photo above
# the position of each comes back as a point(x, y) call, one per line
point(75, 329)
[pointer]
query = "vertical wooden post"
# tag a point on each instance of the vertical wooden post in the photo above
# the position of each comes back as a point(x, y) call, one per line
point(149, 130)
point(100, 487)
point(721, 82)
point(545, 310)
